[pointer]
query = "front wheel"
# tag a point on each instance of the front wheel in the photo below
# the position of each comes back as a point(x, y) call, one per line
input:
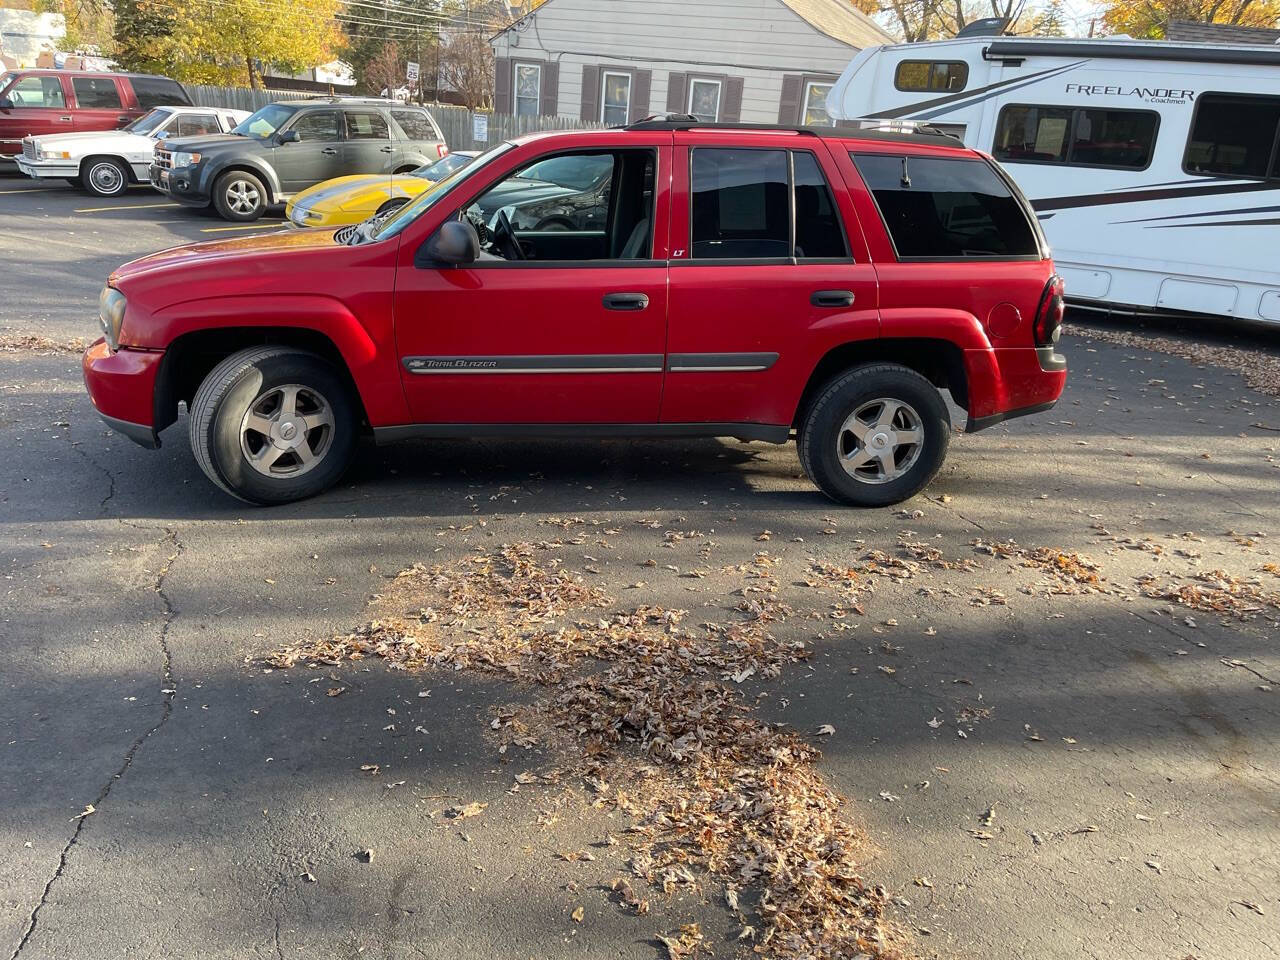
point(239, 196)
point(273, 424)
point(105, 176)
point(875, 436)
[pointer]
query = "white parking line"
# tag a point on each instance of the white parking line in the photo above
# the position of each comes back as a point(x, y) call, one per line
point(126, 206)
point(34, 190)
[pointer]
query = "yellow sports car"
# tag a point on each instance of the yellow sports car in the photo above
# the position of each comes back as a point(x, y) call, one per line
point(344, 200)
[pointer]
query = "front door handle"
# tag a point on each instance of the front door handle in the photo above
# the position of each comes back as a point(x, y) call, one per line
point(330, 151)
point(625, 301)
point(385, 149)
point(832, 298)
point(64, 119)
point(124, 119)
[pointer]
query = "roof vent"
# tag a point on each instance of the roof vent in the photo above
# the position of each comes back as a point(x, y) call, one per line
point(986, 27)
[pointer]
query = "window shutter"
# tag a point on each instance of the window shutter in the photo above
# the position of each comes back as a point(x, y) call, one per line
point(731, 109)
point(792, 93)
point(502, 85)
point(550, 88)
point(641, 81)
point(677, 92)
point(590, 92)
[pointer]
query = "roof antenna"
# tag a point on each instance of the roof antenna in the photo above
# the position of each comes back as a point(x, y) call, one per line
point(906, 174)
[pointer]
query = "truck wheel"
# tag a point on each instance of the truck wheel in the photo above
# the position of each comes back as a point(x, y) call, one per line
point(273, 424)
point(239, 196)
point(104, 176)
point(875, 435)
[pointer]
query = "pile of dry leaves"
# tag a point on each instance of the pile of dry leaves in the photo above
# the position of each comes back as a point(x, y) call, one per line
point(15, 342)
point(649, 703)
point(1066, 573)
point(1260, 367)
point(1215, 591)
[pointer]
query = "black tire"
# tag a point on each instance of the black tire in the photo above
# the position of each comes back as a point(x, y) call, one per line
point(105, 176)
point(395, 203)
point(402, 171)
point(245, 380)
point(823, 442)
point(240, 196)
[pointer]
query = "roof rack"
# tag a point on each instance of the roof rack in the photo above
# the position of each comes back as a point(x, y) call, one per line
point(866, 128)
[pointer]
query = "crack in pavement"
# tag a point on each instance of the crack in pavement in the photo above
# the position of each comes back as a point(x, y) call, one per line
point(170, 689)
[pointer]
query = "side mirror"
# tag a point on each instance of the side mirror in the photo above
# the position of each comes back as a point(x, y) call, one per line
point(289, 136)
point(456, 243)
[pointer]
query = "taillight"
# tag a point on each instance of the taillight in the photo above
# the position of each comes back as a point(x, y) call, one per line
point(1048, 323)
point(442, 150)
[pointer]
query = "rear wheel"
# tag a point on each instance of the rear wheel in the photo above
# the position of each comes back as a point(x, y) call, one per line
point(273, 424)
point(875, 435)
point(239, 196)
point(395, 203)
point(104, 176)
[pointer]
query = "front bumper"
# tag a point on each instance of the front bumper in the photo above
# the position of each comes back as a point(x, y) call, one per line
point(181, 184)
point(122, 387)
point(61, 169)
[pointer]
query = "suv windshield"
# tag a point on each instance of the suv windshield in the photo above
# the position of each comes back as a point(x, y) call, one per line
point(148, 122)
point(415, 208)
point(265, 122)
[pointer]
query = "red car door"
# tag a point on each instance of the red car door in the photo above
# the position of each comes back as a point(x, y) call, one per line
point(101, 102)
point(571, 330)
point(769, 270)
point(33, 103)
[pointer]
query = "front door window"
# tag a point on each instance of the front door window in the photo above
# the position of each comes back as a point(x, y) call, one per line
point(37, 92)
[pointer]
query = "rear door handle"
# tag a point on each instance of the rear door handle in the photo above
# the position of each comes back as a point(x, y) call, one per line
point(832, 298)
point(625, 301)
point(330, 151)
point(124, 119)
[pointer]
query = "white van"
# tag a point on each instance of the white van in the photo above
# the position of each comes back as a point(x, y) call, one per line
point(1154, 167)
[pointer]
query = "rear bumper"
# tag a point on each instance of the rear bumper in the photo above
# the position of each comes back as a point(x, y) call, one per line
point(1012, 382)
point(122, 388)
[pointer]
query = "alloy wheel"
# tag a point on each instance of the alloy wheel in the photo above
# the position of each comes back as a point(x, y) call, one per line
point(880, 441)
point(287, 431)
point(242, 196)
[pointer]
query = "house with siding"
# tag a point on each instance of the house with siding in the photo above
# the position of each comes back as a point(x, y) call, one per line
point(616, 61)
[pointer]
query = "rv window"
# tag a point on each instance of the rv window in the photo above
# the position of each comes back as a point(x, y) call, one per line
point(1076, 136)
point(1234, 136)
point(947, 209)
point(918, 75)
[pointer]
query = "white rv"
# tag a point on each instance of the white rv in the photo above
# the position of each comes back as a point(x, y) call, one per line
point(1154, 167)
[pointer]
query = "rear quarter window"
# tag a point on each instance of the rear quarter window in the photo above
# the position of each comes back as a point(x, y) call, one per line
point(158, 92)
point(947, 209)
point(415, 124)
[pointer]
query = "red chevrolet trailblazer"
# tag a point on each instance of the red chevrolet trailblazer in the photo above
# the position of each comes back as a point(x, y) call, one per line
point(670, 278)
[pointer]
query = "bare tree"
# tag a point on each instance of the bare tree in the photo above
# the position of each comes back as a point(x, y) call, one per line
point(386, 70)
point(466, 66)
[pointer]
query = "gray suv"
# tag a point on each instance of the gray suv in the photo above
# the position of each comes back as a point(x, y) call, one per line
point(288, 146)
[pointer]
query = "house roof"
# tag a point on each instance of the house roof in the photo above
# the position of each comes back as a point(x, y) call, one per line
point(840, 21)
point(1191, 31)
point(836, 18)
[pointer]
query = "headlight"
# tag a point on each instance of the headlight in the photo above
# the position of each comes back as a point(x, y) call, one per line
point(111, 305)
point(183, 159)
point(54, 155)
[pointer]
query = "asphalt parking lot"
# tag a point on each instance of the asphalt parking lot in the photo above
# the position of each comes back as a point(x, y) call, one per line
point(1048, 759)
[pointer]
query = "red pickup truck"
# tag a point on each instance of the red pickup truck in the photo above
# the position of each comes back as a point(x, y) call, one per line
point(34, 102)
point(750, 282)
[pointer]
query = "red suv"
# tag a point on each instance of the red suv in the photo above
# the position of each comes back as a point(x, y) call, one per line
point(35, 102)
point(750, 282)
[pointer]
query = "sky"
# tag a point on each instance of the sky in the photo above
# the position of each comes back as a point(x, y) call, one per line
point(1079, 13)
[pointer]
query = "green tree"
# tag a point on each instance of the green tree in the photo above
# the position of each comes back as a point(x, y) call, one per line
point(225, 41)
point(1051, 21)
point(1149, 19)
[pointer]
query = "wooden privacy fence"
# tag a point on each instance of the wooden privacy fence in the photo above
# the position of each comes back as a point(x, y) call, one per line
point(456, 123)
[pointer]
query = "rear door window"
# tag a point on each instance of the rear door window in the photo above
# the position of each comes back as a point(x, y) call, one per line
point(367, 126)
point(196, 125)
point(96, 93)
point(740, 204)
point(947, 209)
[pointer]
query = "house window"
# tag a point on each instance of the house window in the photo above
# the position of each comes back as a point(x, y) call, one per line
point(615, 101)
point(704, 100)
point(917, 75)
point(815, 105)
point(528, 89)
